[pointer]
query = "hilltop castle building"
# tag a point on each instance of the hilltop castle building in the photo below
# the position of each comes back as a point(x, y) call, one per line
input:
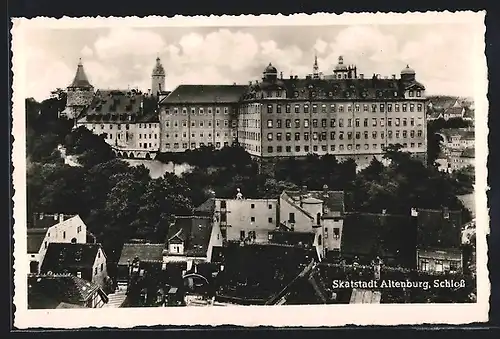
point(342, 113)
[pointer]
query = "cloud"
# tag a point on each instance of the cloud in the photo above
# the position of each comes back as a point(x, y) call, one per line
point(87, 52)
point(45, 73)
point(122, 57)
point(128, 41)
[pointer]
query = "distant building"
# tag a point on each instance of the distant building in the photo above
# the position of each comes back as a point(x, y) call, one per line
point(141, 253)
point(86, 261)
point(456, 159)
point(345, 114)
point(320, 212)
point(49, 228)
point(191, 239)
point(54, 291)
point(200, 115)
point(439, 240)
point(80, 94)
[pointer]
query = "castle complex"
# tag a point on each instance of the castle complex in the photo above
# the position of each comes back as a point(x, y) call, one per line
point(343, 113)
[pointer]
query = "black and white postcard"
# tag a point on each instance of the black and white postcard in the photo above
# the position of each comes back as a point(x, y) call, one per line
point(303, 170)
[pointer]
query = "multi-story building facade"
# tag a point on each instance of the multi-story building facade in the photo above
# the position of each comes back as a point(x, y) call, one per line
point(127, 119)
point(345, 115)
point(199, 115)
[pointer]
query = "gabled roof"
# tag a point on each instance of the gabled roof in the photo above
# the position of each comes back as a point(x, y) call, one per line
point(61, 257)
point(454, 111)
point(194, 231)
point(333, 201)
point(145, 252)
point(80, 80)
point(207, 208)
point(120, 105)
point(42, 220)
point(35, 239)
point(49, 291)
point(192, 94)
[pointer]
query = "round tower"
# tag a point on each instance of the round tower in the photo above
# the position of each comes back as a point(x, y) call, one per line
point(80, 93)
point(158, 78)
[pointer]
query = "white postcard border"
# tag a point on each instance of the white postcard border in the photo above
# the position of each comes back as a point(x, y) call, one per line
point(278, 316)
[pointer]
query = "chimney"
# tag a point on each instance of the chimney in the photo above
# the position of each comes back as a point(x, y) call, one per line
point(281, 75)
point(296, 77)
point(291, 77)
point(361, 76)
point(446, 213)
point(394, 77)
point(414, 212)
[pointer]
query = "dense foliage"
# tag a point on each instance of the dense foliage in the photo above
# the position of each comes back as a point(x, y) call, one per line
point(119, 202)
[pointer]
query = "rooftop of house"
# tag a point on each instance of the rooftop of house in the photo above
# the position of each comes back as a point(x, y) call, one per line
point(145, 252)
point(469, 152)
point(121, 105)
point(35, 239)
point(46, 220)
point(61, 257)
point(470, 113)
point(193, 231)
point(207, 208)
point(463, 133)
point(192, 94)
point(367, 88)
point(442, 102)
point(49, 291)
point(454, 110)
point(291, 238)
point(333, 200)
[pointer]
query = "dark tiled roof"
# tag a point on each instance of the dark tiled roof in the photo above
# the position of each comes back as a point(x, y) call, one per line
point(333, 200)
point(61, 257)
point(454, 111)
point(443, 102)
point(464, 133)
point(145, 252)
point(363, 233)
point(292, 238)
point(207, 208)
point(80, 80)
point(195, 231)
point(35, 239)
point(434, 231)
point(468, 153)
point(205, 94)
point(49, 291)
point(40, 220)
point(335, 88)
point(469, 113)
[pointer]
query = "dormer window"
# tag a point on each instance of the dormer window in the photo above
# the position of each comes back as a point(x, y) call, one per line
point(419, 93)
point(410, 93)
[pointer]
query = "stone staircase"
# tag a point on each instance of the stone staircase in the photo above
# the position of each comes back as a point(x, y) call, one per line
point(116, 299)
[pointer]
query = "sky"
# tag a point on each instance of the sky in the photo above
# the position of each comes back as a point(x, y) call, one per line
point(123, 57)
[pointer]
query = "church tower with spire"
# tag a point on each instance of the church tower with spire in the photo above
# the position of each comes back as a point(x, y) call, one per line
point(80, 94)
point(315, 68)
point(158, 78)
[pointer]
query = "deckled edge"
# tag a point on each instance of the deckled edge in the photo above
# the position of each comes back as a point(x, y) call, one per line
point(19, 156)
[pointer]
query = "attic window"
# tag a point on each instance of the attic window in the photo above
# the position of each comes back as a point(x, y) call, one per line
point(419, 93)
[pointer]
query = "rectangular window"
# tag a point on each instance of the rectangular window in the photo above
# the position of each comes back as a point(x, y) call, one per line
point(332, 122)
point(270, 149)
point(278, 123)
point(323, 108)
point(323, 123)
point(315, 108)
point(297, 136)
point(356, 123)
point(270, 123)
point(297, 108)
point(374, 122)
point(278, 136)
point(278, 108)
point(306, 108)
point(332, 108)
point(297, 123)
point(332, 135)
point(315, 123)
point(269, 108)
point(288, 123)
point(269, 136)
point(306, 123)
